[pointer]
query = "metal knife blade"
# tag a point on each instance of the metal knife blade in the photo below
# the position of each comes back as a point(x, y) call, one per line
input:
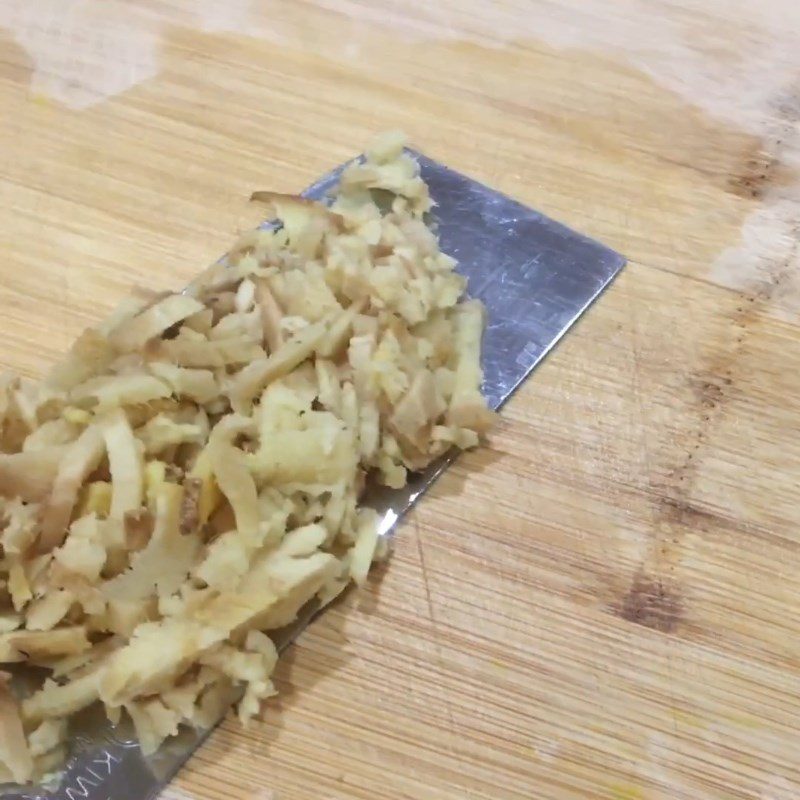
point(536, 277)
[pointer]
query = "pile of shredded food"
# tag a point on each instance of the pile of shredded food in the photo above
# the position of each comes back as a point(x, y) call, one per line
point(190, 475)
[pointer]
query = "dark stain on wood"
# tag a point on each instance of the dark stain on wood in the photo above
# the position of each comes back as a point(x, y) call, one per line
point(755, 175)
point(681, 512)
point(652, 604)
point(682, 515)
point(763, 167)
point(710, 389)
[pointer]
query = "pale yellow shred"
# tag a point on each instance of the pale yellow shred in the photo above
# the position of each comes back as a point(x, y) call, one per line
point(191, 475)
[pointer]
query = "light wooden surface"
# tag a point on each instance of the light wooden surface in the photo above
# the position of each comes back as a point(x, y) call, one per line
point(602, 604)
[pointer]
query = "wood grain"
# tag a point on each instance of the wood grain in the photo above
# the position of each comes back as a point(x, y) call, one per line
point(601, 604)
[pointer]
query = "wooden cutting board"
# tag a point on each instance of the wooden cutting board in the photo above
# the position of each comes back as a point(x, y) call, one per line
point(601, 604)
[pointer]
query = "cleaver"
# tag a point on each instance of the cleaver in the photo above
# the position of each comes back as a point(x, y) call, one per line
point(535, 277)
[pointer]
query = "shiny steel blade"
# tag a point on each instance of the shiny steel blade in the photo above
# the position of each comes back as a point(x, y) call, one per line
point(536, 278)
